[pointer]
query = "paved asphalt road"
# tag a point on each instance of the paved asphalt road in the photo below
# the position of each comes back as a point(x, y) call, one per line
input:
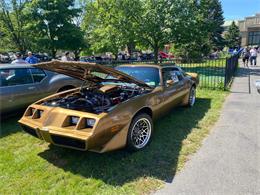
point(228, 163)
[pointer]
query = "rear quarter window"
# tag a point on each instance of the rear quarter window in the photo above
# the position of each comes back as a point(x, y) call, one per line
point(37, 74)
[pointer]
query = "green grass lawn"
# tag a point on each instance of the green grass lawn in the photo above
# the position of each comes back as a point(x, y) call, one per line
point(31, 166)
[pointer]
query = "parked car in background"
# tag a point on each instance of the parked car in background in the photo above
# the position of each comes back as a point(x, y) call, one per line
point(164, 55)
point(5, 58)
point(113, 109)
point(257, 84)
point(42, 57)
point(20, 85)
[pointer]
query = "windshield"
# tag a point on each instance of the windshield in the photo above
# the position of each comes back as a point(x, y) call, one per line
point(149, 75)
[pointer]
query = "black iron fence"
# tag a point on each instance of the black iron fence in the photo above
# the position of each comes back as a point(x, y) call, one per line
point(214, 73)
point(230, 69)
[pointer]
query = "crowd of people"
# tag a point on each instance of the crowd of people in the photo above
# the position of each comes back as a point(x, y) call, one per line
point(31, 59)
point(250, 54)
point(28, 60)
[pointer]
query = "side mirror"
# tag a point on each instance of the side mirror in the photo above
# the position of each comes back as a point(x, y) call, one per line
point(169, 82)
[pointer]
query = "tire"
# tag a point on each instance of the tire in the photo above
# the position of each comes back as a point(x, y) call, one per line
point(192, 96)
point(137, 138)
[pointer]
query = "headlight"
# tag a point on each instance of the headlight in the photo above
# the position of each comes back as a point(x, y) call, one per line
point(90, 122)
point(74, 120)
point(39, 113)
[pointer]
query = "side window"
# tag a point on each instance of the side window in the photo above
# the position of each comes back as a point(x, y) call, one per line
point(179, 75)
point(18, 76)
point(37, 74)
point(170, 74)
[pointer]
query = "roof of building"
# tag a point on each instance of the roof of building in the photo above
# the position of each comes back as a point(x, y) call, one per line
point(229, 22)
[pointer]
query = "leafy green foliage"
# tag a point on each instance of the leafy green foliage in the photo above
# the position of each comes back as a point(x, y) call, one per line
point(192, 26)
point(13, 25)
point(109, 26)
point(53, 24)
point(232, 37)
point(113, 25)
point(205, 29)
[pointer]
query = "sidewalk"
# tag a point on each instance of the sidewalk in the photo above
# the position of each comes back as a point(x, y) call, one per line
point(228, 163)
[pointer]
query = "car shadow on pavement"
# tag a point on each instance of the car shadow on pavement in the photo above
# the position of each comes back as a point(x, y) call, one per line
point(158, 160)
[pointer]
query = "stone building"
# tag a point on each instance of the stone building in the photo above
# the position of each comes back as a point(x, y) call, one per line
point(250, 30)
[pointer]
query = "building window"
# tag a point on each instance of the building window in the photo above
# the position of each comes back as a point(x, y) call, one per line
point(254, 38)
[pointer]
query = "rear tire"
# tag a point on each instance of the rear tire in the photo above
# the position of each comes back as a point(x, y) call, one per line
point(140, 132)
point(192, 96)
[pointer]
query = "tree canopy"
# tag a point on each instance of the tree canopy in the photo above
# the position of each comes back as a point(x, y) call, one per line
point(232, 37)
point(13, 24)
point(193, 27)
point(52, 22)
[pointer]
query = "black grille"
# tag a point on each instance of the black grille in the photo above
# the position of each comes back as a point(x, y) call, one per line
point(30, 130)
point(67, 141)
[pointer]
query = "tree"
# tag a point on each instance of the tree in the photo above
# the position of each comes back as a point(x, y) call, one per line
point(114, 24)
point(13, 23)
point(212, 15)
point(232, 37)
point(108, 26)
point(204, 32)
point(54, 25)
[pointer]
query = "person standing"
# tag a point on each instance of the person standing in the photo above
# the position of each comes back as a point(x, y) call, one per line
point(19, 59)
point(253, 56)
point(66, 57)
point(31, 59)
point(245, 56)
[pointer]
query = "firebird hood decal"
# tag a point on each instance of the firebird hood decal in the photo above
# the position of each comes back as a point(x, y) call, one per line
point(88, 71)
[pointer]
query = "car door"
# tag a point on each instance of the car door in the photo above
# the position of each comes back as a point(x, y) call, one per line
point(17, 88)
point(41, 83)
point(183, 82)
point(173, 88)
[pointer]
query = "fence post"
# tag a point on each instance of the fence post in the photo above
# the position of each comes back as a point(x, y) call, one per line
point(226, 74)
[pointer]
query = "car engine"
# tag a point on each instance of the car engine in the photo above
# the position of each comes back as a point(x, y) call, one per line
point(95, 100)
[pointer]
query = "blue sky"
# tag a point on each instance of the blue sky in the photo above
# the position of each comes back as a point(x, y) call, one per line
point(238, 9)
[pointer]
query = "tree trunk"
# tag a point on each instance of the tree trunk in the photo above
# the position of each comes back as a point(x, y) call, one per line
point(130, 48)
point(156, 51)
point(53, 53)
point(115, 54)
point(76, 53)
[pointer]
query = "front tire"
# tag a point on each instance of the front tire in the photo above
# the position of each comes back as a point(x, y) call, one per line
point(139, 132)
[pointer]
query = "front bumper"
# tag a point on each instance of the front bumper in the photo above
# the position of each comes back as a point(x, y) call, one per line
point(56, 139)
point(53, 125)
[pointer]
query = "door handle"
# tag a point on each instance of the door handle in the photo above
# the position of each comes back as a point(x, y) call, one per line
point(31, 88)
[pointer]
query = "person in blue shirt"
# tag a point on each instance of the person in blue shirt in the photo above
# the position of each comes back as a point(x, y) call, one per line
point(31, 59)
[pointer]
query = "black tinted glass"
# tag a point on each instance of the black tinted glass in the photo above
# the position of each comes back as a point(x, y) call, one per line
point(17, 76)
point(37, 74)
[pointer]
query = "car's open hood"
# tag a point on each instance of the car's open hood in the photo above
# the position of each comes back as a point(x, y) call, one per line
point(88, 71)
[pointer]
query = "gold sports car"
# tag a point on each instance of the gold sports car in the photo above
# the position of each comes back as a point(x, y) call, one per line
point(114, 108)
